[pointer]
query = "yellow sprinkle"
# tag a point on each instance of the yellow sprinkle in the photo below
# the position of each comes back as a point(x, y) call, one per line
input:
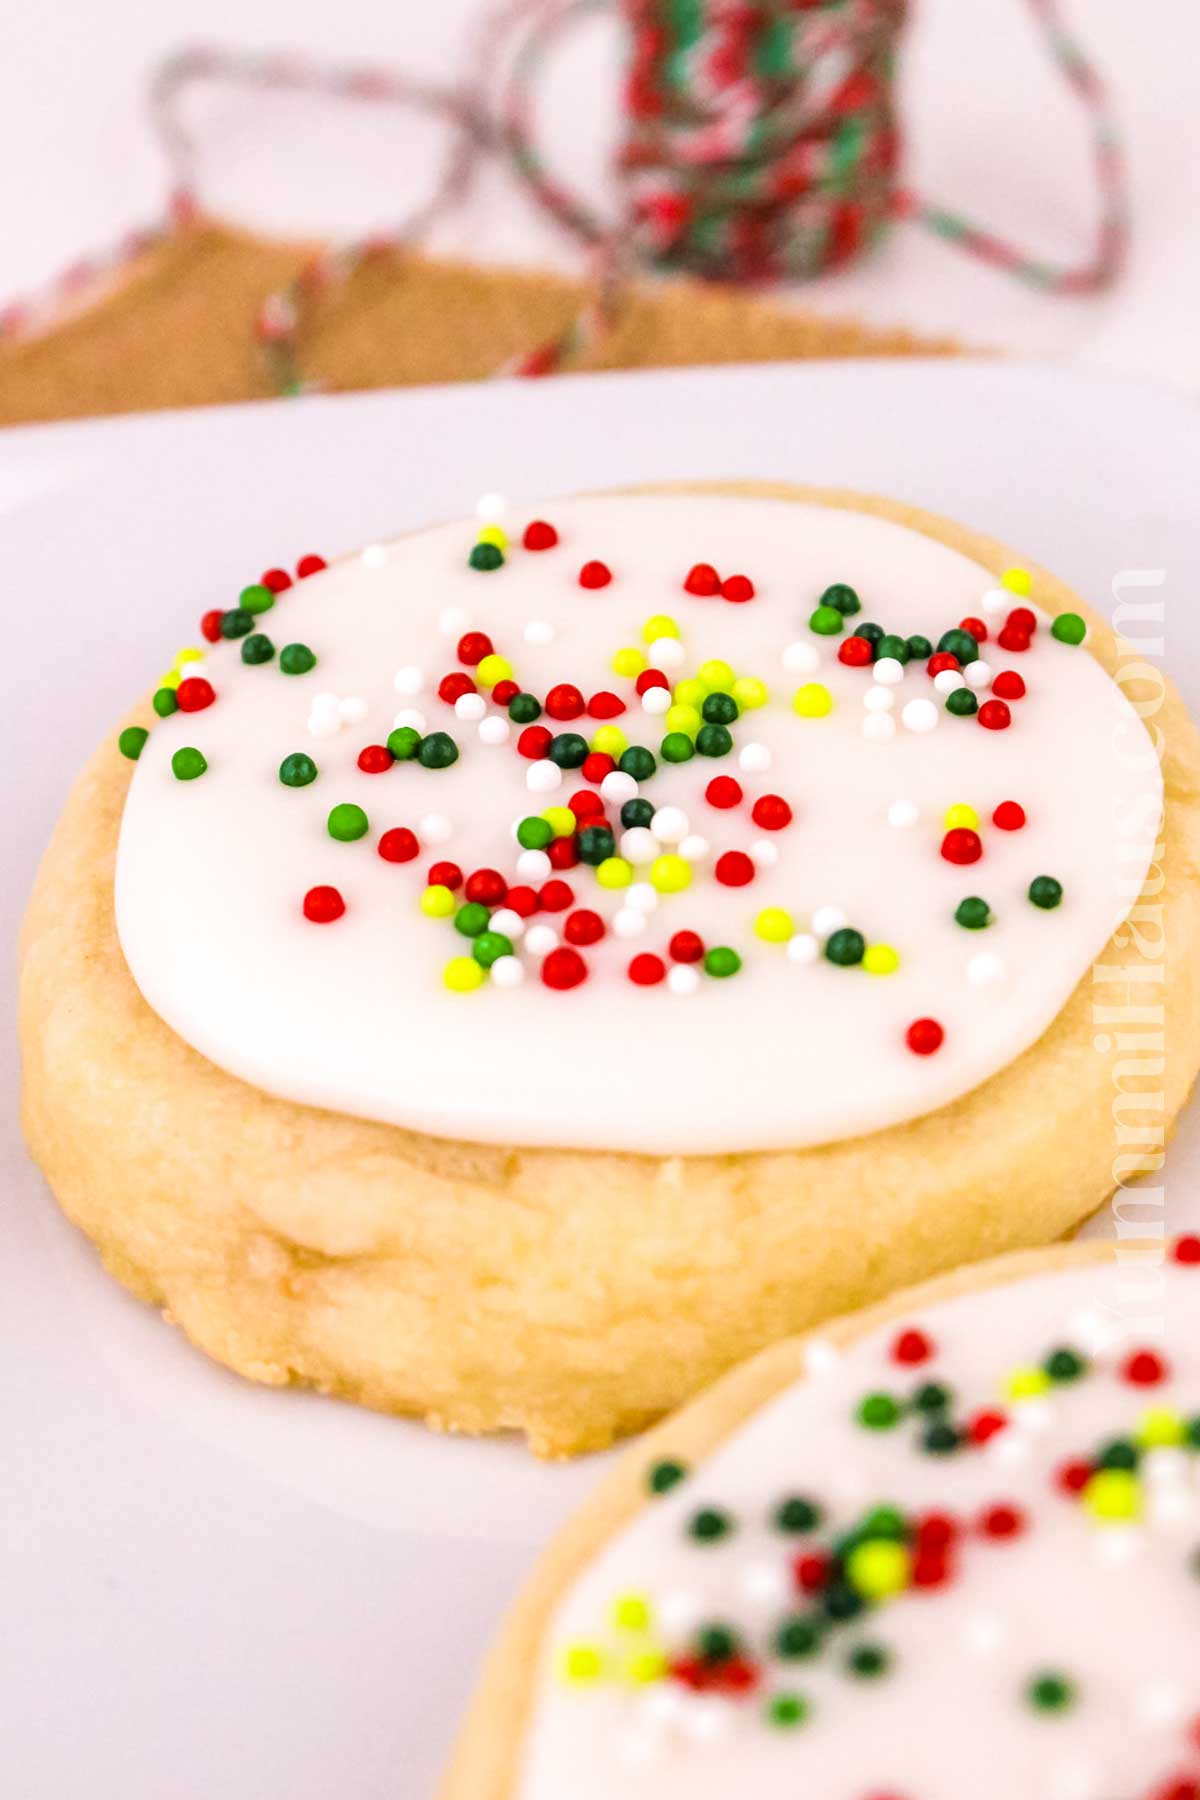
point(462, 973)
point(172, 679)
point(582, 1663)
point(614, 872)
point(631, 1612)
point(493, 669)
point(880, 959)
point(717, 676)
point(879, 1568)
point(683, 718)
point(690, 692)
point(610, 739)
point(661, 625)
point(188, 656)
point(1113, 1496)
point(750, 693)
point(629, 661)
point(774, 925)
point(493, 534)
point(669, 874)
point(1159, 1427)
point(961, 817)
point(1017, 581)
point(644, 1666)
point(1026, 1384)
point(437, 902)
point(561, 820)
point(813, 700)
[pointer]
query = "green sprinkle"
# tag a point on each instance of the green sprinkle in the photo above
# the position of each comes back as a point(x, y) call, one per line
point(845, 947)
point(799, 1637)
point(187, 764)
point(165, 702)
point(1045, 892)
point(347, 822)
point(257, 648)
point(717, 1644)
point(1064, 1365)
point(486, 556)
point(132, 741)
point(1069, 628)
point(1050, 1693)
point(878, 1412)
point(404, 743)
point(957, 642)
point(636, 812)
point(884, 1522)
point(826, 621)
point(962, 703)
point(663, 1476)
point(868, 1661)
point(236, 622)
point(568, 750)
point(708, 1525)
point(931, 1397)
point(596, 845)
point(714, 740)
point(841, 599)
point(973, 913)
point(523, 709)
point(471, 918)
point(437, 751)
point(296, 659)
point(297, 770)
point(797, 1514)
point(786, 1711)
point(719, 709)
point(534, 834)
point(722, 961)
point(919, 648)
point(676, 747)
point(490, 945)
point(256, 599)
point(638, 762)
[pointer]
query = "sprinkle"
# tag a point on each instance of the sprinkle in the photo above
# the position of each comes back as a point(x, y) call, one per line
point(670, 874)
point(667, 653)
point(656, 701)
point(737, 588)
point(979, 675)
point(754, 759)
point(721, 961)
point(614, 872)
point(961, 846)
point(920, 716)
point(994, 715)
point(1045, 892)
point(733, 869)
point(888, 670)
point(845, 947)
point(804, 948)
point(694, 848)
point(774, 925)
point(1009, 816)
point(494, 730)
point(646, 970)
point(750, 693)
point(494, 668)
point(639, 845)
point(540, 535)
point(534, 865)
point(470, 707)
point(628, 922)
point(683, 979)
point(973, 914)
point(702, 580)
point(826, 621)
point(669, 824)
point(323, 904)
point(463, 973)
point(486, 557)
point(540, 940)
point(814, 701)
point(407, 719)
point(642, 896)
point(543, 777)
point(924, 1036)
point(437, 901)
point(495, 535)
point(188, 763)
point(948, 681)
point(880, 959)
point(194, 694)
point(594, 575)
point(903, 814)
point(132, 741)
point(879, 699)
point(297, 770)
point(764, 853)
point(618, 787)
point(296, 659)
point(828, 919)
point(508, 972)
point(1050, 1693)
point(398, 845)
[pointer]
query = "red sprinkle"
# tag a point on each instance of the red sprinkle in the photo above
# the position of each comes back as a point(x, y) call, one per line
point(583, 927)
point(452, 687)
point(1002, 1521)
point(930, 1569)
point(1145, 1368)
point(738, 588)
point(936, 1531)
point(310, 565)
point(1012, 639)
point(976, 627)
point(1009, 815)
point(563, 853)
point(941, 659)
point(734, 869)
point(564, 701)
point(912, 1346)
point(323, 904)
point(811, 1571)
point(593, 575)
point(210, 626)
point(584, 804)
point(523, 900)
point(723, 792)
point(924, 1036)
point(563, 968)
point(596, 765)
point(556, 896)
point(444, 874)
point(962, 845)
point(856, 652)
point(771, 812)
point(645, 969)
point(686, 947)
point(1072, 1477)
point(702, 579)
point(651, 678)
point(995, 716)
point(985, 1426)
point(534, 742)
point(1186, 1250)
point(504, 691)
point(487, 886)
point(375, 759)
point(473, 646)
point(399, 845)
point(194, 694)
point(539, 535)
point(1023, 619)
point(605, 705)
point(278, 580)
point(1008, 685)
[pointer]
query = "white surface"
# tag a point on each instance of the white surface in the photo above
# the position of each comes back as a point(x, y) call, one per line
point(210, 1588)
point(991, 129)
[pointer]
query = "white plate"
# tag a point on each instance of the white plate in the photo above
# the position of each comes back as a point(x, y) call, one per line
point(212, 1589)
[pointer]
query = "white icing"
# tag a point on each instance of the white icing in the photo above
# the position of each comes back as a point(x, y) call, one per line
point(1115, 1609)
point(354, 1015)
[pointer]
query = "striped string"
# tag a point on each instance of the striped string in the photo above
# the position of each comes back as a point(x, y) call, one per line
point(761, 144)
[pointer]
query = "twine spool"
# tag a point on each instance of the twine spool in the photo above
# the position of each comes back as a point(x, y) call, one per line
point(760, 144)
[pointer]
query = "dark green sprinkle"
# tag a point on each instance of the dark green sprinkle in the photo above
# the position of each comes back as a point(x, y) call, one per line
point(891, 645)
point(486, 556)
point(799, 1637)
point(722, 961)
point(840, 1601)
point(1064, 1365)
point(842, 598)
point(534, 834)
point(719, 709)
point(663, 1476)
point(257, 648)
point(919, 648)
point(942, 1438)
point(437, 751)
point(471, 918)
point(638, 762)
point(256, 599)
point(132, 741)
point(1050, 1693)
point(1045, 892)
point(785, 1711)
point(676, 747)
point(296, 659)
point(490, 945)
point(973, 912)
point(708, 1525)
point(1192, 1432)
point(797, 1514)
point(932, 1396)
point(236, 622)
point(878, 1412)
point(568, 750)
point(845, 947)
point(717, 1644)
point(714, 740)
point(1121, 1453)
point(868, 1661)
point(523, 709)
point(962, 703)
point(636, 812)
point(404, 742)
point(297, 770)
point(826, 621)
point(957, 642)
point(165, 702)
point(870, 631)
point(187, 763)
point(347, 822)
point(596, 844)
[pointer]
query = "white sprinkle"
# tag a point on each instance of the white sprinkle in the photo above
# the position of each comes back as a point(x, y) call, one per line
point(539, 631)
point(1007, 1449)
point(706, 1718)
point(828, 919)
point(508, 922)
point(353, 709)
point(983, 1633)
point(656, 701)
point(669, 824)
point(767, 1584)
point(638, 845)
point(889, 670)
point(452, 620)
point(763, 853)
point(903, 813)
point(628, 922)
point(694, 848)
point(490, 508)
point(1034, 1415)
point(541, 939)
point(1165, 1466)
point(323, 725)
point(666, 653)
point(879, 728)
point(985, 968)
point(920, 716)
point(470, 707)
point(374, 556)
point(533, 865)
point(507, 971)
point(641, 897)
point(435, 828)
point(680, 1610)
point(409, 680)
point(494, 730)
point(879, 699)
point(995, 602)
point(978, 674)
point(325, 703)
point(412, 719)
point(617, 787)
point(801, 658)
point(543, 777)
point(682, 979)
point(754, 758)
point(803, 948)
point(948, 681)
point(1094, 1331)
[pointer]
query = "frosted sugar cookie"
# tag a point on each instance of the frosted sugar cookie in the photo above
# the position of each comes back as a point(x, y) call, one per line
point(951, 1548)
point(519, 970)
